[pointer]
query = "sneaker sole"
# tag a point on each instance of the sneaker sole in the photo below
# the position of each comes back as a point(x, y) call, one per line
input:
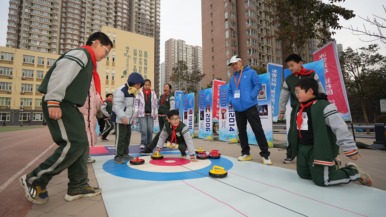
point(369, 179)
point(70, 198)
point(24, 185)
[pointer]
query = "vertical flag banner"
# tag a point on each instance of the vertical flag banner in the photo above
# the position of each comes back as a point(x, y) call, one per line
point(275, 72)
point(188, 115)
point(205, 130)
point(335, 88)
point(265, 111)
point(178, 95)
point(216, 99)
point(227, 121)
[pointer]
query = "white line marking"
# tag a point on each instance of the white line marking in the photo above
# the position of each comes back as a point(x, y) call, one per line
point(18, 174)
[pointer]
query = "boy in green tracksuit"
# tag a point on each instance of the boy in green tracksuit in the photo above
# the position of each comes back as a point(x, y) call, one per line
point(295, 65)
point(65, 88)
point(317, 132)
point(123, 115)
point(177, 133)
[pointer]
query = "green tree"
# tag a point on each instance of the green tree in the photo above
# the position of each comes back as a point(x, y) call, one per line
point(260, 70)
point(365, 76)
point(300, 20)
point(183, 79)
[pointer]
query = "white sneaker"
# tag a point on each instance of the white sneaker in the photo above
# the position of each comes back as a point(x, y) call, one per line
point(142, 146)
point(90, 160)
point(267, 161)
point(245, 158)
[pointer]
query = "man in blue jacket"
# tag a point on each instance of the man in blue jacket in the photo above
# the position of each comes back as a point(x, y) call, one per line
point(244, 87)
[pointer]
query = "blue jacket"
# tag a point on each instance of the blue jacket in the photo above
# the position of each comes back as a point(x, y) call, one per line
point(249, 87)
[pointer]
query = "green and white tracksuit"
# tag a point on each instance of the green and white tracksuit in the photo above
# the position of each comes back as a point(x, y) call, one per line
point(317, 142)
point(67, 84)
point(183, 137)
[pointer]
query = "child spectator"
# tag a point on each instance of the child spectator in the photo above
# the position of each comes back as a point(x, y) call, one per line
point(123, 115)
point(107, 109)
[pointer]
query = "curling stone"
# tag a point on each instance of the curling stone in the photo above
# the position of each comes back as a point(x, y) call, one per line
point(214, 154)
point(157, 156)
point(218, 172)
point(202, 156)
point(200, 150)
point(137, 161)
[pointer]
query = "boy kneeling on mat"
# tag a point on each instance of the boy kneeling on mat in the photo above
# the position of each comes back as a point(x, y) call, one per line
point(177, 133)
point(317, 132)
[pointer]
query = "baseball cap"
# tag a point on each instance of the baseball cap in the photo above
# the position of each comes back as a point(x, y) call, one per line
point(234, 59)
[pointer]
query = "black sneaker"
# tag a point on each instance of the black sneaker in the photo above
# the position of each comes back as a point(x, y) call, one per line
point(104, 140)
point(183, 153)
point(119, 159)
point(288, 160)
point(34, 194)
point(146, 151)
point(127, 157)
point(86, 192)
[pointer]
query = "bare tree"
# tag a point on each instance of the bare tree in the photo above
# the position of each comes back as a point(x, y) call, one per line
point(377, 21)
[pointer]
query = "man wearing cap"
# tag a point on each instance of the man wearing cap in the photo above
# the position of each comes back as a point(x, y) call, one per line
point(244, 87)
point(123, 115)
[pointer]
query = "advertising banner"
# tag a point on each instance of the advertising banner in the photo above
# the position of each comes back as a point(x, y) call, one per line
point(205, 130)
point(216, 99)
point(188, 115)
point(335, 88)
point(275, 72)
point(265, 111)
point(178, 95)
point(227, 118)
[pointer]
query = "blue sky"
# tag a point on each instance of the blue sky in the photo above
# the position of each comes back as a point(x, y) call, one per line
point(181, 19)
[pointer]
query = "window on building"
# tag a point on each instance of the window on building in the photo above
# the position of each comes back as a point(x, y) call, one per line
point(5, 86)
point(25, 102)
point(26, 88)
point(40, 74)
point(27, 73)
point(40, 60)
point(37, 116)
point(6, 71)
point(38, 103)
point(24, 116)
point(5, 101)
point(5, 116)
point(6, 56)
point(28, 59)
point(50, 61)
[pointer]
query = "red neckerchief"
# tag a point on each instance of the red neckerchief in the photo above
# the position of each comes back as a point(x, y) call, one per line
point(108, 100)
point(95, 75)
point(299, 118)
point(174, 133)
point(147, 93)
point(304, 72)
point(163, 98)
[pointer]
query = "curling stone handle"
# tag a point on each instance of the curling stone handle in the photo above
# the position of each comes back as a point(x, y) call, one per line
point(218, 168)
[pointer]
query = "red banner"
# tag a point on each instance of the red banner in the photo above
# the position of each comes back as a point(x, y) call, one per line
point(335, 88)
point(216, 98)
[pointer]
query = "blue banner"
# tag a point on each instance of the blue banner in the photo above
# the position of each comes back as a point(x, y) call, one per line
point(178, 95)
point(205, 128)
point(188, 115)
point(276, 82)
point(227, 118)
point(265, 111)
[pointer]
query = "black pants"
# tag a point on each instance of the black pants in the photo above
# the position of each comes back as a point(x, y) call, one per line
point(252, 116)
point(101, 123)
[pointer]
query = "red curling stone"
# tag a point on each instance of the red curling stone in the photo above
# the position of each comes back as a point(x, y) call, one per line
point(202, 156)
point(214, 154)
point(137, 161)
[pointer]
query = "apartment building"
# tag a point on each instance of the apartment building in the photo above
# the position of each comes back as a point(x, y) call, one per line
point(55, 26)
point(177, 50)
